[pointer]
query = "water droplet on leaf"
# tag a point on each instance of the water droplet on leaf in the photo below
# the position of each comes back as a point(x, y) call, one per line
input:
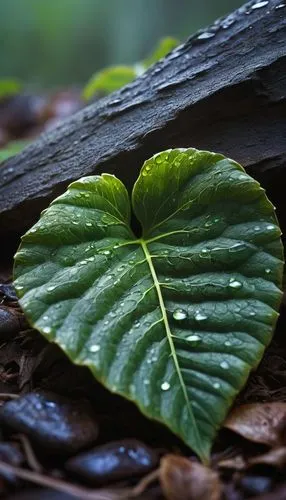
point(193, 338)
point(235, 284)
point(165, 386)
point(224, 365)
point(179, 314)
point(47, 329)
point(94, 348)
point(200, 316)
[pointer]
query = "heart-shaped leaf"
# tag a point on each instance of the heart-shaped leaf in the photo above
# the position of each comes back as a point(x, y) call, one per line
point(173, 320)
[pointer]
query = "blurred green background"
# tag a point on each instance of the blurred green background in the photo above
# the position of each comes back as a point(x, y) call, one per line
point(60, 42)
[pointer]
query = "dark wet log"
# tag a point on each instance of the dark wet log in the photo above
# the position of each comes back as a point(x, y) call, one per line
point(223, 90)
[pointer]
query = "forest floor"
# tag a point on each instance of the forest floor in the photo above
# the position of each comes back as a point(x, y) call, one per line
point(64, 436)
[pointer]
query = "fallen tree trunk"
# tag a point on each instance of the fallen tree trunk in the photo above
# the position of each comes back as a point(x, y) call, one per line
point(223, 90)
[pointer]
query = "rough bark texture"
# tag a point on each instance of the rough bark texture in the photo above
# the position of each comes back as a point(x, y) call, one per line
point(223, 90)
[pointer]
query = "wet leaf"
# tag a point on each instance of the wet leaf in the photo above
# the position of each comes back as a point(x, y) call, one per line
point(259, 422)
point(180, 478)
point(176, 319)
point(110, 79)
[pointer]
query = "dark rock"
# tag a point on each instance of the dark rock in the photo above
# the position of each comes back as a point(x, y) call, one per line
point(9, 322)
point(256, 485)
point(113, 461)
point(8, 292)
point(52, 421)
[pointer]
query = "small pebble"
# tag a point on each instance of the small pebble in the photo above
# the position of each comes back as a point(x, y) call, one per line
point(113, 461)
point(52, 421)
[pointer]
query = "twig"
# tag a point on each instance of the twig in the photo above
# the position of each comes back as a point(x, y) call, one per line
point(145, 482)
point(58, 484)
point(30, 455)
point(8, 395)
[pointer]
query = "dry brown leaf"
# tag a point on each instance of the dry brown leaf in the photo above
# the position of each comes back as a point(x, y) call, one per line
point(259, 422)
point(182, 479)
point(276, 458)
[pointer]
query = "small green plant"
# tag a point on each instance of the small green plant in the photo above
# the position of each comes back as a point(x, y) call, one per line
point(12, 148)
point(176, 318)
point(9, 87)
point(110, 79)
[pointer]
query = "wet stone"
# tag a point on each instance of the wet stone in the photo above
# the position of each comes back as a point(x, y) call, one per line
point(52, 421)
point(113, 461)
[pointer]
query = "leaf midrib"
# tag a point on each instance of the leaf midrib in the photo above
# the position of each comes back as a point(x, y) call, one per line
point(148, 256)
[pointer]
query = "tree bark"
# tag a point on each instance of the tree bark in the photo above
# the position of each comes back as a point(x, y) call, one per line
point(223, 90)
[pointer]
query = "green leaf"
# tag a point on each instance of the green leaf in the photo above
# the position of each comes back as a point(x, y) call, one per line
point(113, 78)
point(163, 48)
point(9, 87)
point(173, 320)
point(109, 80)
point(12, 148)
